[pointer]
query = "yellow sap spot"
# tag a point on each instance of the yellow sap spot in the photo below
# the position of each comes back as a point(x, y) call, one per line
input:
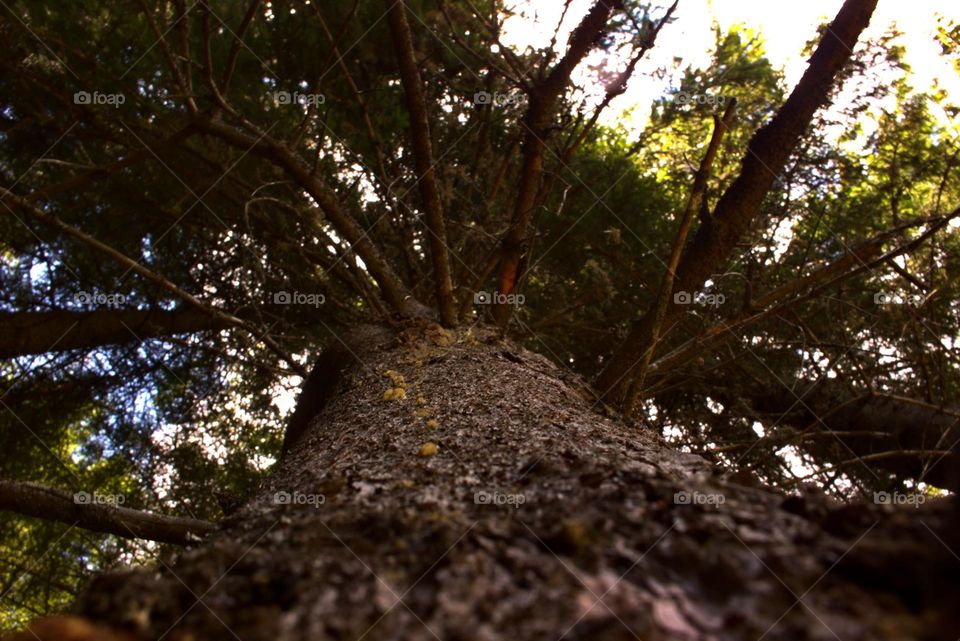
point(432, 424)
point(428, 449)
point(394, 394)
point(396, 378)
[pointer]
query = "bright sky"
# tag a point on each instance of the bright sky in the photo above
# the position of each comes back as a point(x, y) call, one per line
point(786, 26)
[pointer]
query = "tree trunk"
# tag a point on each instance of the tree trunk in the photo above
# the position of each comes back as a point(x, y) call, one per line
point(537, 517)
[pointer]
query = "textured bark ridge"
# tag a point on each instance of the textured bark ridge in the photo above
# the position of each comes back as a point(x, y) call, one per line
point(538, 517)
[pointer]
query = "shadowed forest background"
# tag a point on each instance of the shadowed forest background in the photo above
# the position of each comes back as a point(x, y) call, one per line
point(196, 200)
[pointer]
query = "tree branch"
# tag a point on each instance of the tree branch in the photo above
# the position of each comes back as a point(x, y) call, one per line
point(151, 276)
point(134, 157)
point(392, 288)
point(168, 56)
point(24, 333)
point(618, 87)
point(423, 159)
point(82, 510)
point(237, 45)
point(543, 99)
point(694, 203)
point(909, 438)
point(866, 255)
point(767, 154)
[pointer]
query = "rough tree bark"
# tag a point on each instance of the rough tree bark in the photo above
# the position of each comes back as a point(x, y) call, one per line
point(537, 518)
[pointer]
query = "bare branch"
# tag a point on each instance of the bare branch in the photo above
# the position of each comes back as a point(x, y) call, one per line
point(24, 333)
point(150, 275)
point(80, 509)
point(543, 98)
point(237, 45)
point(423, 159)
point(135, 157)
point(694, 203)
point(866, 255)
point(392, 288)
point(168, 56)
